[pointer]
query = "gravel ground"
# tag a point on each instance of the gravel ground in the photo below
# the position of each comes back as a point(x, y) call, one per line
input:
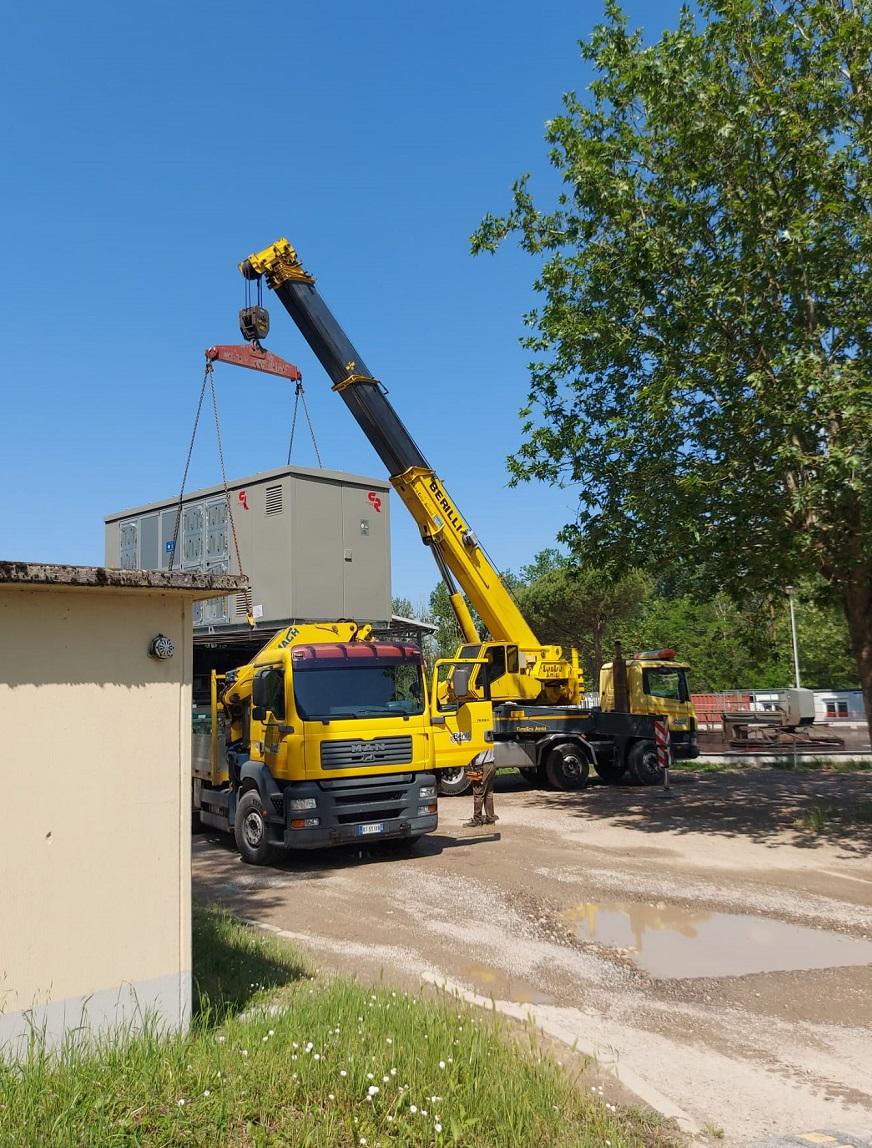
point(763, 1055)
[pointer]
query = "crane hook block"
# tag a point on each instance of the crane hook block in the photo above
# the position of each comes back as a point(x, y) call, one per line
point(254, 323)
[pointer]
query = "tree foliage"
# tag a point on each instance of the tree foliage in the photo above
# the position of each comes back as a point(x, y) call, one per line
point(702, 352)
point(728, 644)
point(581, 606)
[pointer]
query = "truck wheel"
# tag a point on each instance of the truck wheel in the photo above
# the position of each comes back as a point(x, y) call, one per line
point(566, 766)
point(452, 782)
point(532, 776)
point(251, 828)
point(643, 763)
point(609, 771)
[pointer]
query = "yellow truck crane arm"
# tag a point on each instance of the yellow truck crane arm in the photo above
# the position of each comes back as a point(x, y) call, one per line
point(458, 554)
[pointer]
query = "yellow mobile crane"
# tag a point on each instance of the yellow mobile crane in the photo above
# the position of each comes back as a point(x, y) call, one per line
point(539, 722)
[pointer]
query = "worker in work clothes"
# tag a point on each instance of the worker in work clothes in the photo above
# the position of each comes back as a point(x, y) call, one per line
point(482, 772)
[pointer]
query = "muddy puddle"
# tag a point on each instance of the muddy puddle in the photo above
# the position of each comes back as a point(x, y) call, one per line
point(498, 984)
point(669, 941)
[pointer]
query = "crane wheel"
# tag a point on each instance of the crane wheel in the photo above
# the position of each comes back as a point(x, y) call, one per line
point(532, 776)
point(567, 767)
point(251, 829)
point(644, 766)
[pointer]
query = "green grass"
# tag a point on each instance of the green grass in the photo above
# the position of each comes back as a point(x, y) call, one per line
point(338, 1066)
point(814, 764)
point(823, 818)
point(699, 765)
point(803, 764)
point(236, 967)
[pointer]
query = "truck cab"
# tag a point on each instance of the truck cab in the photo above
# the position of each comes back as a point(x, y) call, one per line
point(656, 683)
point(324, 742)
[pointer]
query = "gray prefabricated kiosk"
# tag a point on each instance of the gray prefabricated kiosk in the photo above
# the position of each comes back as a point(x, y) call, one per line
point(315, 545)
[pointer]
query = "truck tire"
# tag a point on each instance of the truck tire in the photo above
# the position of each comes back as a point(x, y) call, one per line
point(452, 782)
point(609, 772)
point(566, 766)
point(251, 829)
point(643, 763)
point(532, 776)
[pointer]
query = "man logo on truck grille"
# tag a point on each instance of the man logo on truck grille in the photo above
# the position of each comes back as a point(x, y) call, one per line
point(368, 751)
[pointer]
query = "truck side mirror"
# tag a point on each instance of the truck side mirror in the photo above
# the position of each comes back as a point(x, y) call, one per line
point(268, 693)
point(260, 692)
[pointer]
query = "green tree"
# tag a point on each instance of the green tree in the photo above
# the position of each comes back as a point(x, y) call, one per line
point(402, 607)
point(702, 351)
point(448, 638)
point(545, 562)
point(581, 606)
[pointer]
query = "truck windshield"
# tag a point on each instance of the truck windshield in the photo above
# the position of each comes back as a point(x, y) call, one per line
point(665, 682)
point(360, 691)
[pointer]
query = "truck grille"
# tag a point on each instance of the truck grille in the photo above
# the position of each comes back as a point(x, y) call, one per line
point(363, 752)
point(366, 815)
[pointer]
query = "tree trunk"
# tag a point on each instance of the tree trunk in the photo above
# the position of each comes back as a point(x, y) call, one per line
point(857, 601)
point(597, 657)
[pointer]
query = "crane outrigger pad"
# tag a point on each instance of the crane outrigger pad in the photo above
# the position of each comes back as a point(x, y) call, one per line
point(254, 360)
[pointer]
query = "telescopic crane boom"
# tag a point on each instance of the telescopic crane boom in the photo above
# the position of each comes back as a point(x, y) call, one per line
point(541, 671)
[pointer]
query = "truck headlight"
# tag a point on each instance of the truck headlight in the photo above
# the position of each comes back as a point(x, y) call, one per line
point(297, 803)
point(426, 810)
point(427, 791)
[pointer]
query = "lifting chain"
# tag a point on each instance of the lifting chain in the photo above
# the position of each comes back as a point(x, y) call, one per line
point(299, 393)
point(209, 378)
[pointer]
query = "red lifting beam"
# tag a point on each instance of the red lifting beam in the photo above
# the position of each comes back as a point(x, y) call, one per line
point(243, 355)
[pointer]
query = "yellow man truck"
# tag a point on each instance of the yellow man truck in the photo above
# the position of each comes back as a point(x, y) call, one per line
point(325, 737)
point(538, 717)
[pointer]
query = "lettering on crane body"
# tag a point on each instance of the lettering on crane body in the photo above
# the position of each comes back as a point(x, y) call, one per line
point(450, 513)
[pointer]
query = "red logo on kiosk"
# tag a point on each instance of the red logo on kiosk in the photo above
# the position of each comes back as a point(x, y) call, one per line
point(243, 499)
point(375, 500)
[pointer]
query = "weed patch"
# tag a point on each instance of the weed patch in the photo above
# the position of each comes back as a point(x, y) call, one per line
point(823, 818)
point(337, 1066)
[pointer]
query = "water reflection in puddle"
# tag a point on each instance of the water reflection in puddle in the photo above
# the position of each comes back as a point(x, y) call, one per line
point(669, 941)
point(498, 984)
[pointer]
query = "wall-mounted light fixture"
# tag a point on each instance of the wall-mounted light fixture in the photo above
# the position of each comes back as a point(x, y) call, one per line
point(161, 647)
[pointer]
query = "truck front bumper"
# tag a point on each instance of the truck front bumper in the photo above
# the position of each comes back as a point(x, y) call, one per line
point(360, 810)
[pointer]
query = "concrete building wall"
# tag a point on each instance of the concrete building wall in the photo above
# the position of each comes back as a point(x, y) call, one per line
point(95, 849)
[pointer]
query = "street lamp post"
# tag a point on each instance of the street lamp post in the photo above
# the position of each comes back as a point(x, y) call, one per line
point(791, 591)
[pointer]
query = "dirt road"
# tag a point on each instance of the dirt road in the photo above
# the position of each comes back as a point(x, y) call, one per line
point(715, 956)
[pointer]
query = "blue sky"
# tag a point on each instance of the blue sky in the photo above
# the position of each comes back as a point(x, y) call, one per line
point(148, 148)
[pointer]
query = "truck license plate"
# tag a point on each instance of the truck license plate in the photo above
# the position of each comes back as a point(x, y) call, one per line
point(373, 827)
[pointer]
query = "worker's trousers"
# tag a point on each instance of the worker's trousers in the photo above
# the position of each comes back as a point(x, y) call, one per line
point(483, 793)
